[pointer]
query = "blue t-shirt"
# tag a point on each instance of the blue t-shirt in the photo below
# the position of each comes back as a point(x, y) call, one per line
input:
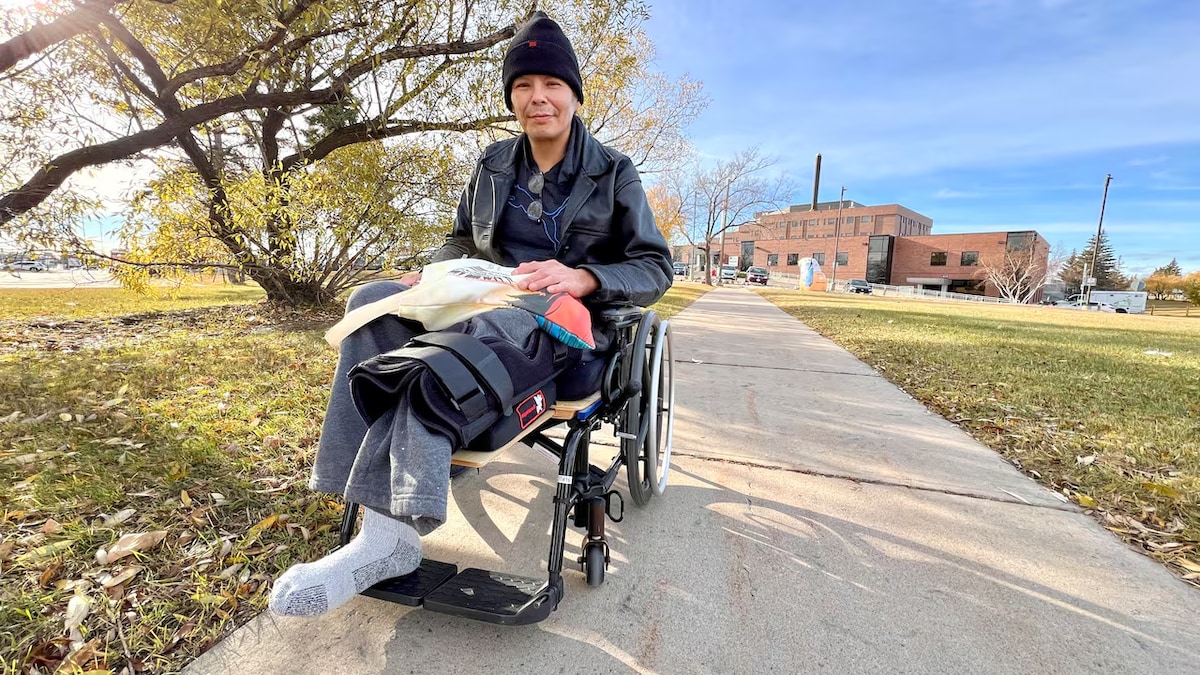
point(521, 238)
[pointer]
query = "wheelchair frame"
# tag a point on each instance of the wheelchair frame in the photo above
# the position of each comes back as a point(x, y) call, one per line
point(637, 395)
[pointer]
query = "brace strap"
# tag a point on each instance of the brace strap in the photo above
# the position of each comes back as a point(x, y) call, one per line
point(479, 359)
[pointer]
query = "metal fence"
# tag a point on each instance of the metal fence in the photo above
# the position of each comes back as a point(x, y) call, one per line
point(885, 290)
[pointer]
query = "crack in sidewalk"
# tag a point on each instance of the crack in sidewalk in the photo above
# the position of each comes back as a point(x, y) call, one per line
point(1069, 508)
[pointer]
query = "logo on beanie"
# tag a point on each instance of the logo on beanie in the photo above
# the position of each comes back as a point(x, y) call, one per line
point(533, 43)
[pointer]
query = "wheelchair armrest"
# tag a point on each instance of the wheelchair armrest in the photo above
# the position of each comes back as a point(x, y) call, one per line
point(622, 316)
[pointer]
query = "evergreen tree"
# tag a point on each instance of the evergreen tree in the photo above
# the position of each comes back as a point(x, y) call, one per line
point(1171, 269)
point(1107, 272)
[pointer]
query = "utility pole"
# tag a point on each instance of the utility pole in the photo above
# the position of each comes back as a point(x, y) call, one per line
point(1096, 246)
point(837, 230)
point(724, 226)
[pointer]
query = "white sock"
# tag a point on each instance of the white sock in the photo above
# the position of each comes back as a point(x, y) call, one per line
point(385, 548)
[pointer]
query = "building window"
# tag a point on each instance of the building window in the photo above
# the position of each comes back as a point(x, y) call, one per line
point(864, 219)
point(772, 259)
point(849, 220)
point(793, 259)
point(879, 251)
point(969, 258)
point(842, 258)
point(1019, 240)
point(812, 222)
point(831, 221)
point(819, 257)
point(938, 259)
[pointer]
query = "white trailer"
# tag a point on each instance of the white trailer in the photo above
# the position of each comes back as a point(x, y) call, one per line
point(1125, 302)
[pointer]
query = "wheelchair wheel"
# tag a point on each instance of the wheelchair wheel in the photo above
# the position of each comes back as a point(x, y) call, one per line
point(645, 418)
point(594, 565)
point(659, 408)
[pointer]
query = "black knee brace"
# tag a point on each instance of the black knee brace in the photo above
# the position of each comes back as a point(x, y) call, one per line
point(480, 392)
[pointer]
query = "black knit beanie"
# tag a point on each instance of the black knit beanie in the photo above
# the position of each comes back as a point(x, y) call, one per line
point(541, 48)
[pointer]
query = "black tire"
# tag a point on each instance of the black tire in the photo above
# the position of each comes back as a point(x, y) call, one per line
point(639, 463)
point(594, 565)
point(635, 457)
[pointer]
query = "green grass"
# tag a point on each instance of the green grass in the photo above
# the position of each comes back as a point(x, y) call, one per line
point(203, 421)
point(1102, 407)
point(84, 302)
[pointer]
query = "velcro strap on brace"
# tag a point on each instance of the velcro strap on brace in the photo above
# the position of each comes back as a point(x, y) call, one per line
point(482, 361)
point(458, 381)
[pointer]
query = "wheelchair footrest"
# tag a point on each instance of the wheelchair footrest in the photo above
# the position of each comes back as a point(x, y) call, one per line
point(495, 597)
point(411, 589)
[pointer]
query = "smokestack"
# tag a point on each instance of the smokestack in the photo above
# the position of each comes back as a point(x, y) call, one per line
point(816, 181)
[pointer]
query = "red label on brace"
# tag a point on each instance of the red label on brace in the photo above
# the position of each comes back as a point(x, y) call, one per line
point(533, 43)
point(531, 408)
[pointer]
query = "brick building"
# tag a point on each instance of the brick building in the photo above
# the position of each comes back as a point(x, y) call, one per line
point(886, 244)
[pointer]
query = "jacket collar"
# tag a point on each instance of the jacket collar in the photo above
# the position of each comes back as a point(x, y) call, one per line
point(590, 156)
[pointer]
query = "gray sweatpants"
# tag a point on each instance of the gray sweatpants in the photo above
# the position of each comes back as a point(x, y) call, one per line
point(396, 466)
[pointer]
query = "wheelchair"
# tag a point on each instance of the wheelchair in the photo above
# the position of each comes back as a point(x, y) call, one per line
point(637, 396)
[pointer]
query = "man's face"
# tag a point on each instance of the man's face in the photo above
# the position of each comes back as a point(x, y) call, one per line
point(544, 106)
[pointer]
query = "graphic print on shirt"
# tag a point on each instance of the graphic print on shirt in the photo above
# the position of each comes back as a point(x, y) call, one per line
point(522, 198)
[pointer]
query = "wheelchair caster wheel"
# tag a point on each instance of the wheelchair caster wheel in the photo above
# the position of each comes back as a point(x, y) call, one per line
point(594, 565)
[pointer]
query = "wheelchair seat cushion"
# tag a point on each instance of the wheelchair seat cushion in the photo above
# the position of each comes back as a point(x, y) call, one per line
point(583, 379)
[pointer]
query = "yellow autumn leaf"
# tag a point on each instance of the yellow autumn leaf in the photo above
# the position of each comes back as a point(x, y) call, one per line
point(257, 529)
point(1085, 501)
point(47, 551)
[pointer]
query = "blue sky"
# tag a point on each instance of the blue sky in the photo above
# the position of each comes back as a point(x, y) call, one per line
point(982, 114)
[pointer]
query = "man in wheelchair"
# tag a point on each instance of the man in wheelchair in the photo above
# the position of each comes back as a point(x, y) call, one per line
point(561, 208)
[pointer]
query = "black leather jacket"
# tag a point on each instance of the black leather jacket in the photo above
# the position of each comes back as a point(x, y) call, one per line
point(607, 228)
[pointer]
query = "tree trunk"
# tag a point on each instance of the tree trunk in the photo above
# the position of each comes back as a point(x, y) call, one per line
point(282, 289)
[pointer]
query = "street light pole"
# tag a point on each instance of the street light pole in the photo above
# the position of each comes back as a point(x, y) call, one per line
point(1096, 246)
point(837, 231)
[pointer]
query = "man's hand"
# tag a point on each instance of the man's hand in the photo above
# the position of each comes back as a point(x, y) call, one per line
point(555, 277)
point(411, 279)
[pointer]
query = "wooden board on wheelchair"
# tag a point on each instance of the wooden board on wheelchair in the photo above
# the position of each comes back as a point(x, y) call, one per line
point(563, 410)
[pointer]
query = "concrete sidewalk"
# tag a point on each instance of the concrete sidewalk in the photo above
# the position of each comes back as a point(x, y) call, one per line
point(818, 519)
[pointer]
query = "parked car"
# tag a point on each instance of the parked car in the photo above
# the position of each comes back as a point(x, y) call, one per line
point(27, 266)
point(858, 286)
point(681, 269)
point(757, 275)
point(728, 273)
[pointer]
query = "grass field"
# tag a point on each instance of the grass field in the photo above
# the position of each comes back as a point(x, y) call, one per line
point(1104, 408)
point(179, 444)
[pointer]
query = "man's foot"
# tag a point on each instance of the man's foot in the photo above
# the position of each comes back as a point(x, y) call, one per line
point(385, 548)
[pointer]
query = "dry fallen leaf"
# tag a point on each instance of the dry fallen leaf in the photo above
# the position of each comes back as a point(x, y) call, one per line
point(129, 543)
point(125, 575)
point(51, 526)
point(1188, 565)
point(50, 574)
point(119, 517)
point(77, 611)
point(47, 551)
